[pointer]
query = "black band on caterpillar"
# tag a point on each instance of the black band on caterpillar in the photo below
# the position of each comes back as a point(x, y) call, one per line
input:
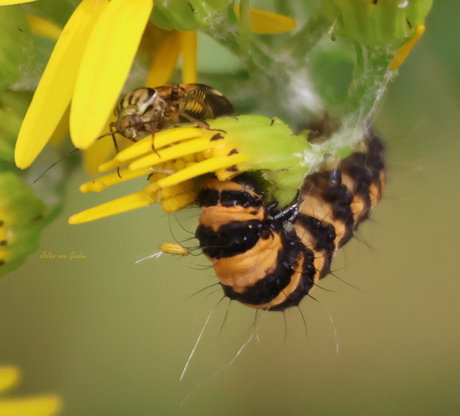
point(269, 259)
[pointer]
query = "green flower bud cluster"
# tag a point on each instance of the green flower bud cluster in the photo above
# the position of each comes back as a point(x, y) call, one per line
point(188, 14)
point(23, 215)
point(22, 218)
point(387, 23)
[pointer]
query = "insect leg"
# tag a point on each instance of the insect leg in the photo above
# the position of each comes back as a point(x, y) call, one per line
point(154, 128)
point(113, 130)
point(199, 123)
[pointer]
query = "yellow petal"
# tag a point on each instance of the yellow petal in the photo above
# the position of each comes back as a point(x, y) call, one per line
point(402, 54)
point(188, 41)
point(61, 130)
point(96, 154)
point(9, 2)
point(142, 150)
point(56, 86)
point(48, 405)
point(162, 139)
point(266, 22)
point(9, 377)
point(105, 66)
point(102, 183)
point(174, 152)
point(126, 203)
point(165, 61)
point(209, 165)
point(44, 27)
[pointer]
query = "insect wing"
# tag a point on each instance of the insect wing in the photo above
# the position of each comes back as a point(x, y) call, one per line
point(203, 101)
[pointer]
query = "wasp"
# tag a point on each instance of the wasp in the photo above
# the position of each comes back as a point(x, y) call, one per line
point(146, 111)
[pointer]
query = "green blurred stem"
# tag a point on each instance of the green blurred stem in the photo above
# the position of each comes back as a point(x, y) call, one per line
point(370, 78)
point(254, 58)
point(306, 38)
point(244, 25)
point(271, 66)
point(283, 7)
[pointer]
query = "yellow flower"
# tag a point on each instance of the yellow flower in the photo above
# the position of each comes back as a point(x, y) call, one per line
point(86, 69)
point(44, 28)
point(184, 156)
point(40, 405)
point(89, 66)
point(10, 2)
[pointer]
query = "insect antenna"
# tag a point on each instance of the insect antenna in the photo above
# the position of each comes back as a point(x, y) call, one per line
point(112, 133)
point(55, 163)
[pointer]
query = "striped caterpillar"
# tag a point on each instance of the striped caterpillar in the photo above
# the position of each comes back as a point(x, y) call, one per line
point(268, 258)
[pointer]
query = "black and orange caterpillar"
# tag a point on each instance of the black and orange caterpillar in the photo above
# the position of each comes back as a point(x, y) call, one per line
point(268, 258)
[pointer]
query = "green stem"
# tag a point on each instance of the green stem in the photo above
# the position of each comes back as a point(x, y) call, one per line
point(370, 77)
point(244, 26)
point(274, 68)
point(283, 7)
point(255, 59)
point(306, 38)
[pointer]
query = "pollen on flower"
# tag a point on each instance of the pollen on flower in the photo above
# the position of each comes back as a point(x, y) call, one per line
point(183, 157)
point(180, 156)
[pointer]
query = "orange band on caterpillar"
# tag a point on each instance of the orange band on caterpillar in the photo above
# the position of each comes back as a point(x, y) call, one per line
point(270, 259)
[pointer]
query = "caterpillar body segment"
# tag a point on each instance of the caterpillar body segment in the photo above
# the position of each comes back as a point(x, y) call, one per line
point(269, 258)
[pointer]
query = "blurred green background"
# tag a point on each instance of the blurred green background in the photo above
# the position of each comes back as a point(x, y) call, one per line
point(112, 337)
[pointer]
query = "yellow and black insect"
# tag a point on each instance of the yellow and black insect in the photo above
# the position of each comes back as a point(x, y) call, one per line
point(269, 258)
point(146, 111)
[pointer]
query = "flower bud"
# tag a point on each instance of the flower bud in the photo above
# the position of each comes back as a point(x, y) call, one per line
point(387, 23)
point(22, 218)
